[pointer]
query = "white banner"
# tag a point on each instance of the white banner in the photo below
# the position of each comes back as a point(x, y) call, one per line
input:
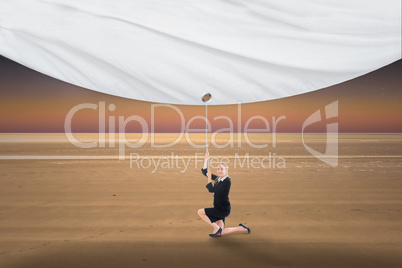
point(173, 51)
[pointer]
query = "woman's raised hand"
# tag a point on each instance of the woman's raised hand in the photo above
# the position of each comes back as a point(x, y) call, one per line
point(209, 174)
point(206, 154)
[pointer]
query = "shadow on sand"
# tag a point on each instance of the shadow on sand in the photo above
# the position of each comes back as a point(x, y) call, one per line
point(231, 251)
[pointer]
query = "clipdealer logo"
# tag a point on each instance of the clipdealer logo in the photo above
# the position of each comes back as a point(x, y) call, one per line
point(330, 156)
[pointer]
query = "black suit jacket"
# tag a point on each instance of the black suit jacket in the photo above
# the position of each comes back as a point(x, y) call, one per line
point(221, 192)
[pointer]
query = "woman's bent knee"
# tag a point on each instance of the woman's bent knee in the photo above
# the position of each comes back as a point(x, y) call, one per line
point(201, 211)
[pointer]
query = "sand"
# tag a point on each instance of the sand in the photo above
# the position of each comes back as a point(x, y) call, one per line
point(62, 206)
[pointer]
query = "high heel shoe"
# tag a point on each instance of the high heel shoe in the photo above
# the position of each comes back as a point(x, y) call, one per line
point(244, 226)
point(217, 232)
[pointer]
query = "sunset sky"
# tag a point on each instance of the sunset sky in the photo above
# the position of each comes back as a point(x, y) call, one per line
point(31, 102)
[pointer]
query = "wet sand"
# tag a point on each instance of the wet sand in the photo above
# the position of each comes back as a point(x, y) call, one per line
point(85, 208)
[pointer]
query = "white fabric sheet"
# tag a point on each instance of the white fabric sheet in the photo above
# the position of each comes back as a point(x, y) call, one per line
point(173, 51)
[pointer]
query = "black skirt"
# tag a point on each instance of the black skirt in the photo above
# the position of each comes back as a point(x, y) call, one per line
point(215, 214)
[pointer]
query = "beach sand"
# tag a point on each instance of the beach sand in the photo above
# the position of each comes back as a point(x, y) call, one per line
point(63, 206)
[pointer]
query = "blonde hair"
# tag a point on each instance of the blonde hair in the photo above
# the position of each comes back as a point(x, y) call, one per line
point(225, 165)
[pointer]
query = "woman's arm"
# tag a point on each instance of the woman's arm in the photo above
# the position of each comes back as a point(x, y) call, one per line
point(211, 177)
point(205, 170)
point(209, 185)
point(209, 174)
point(205, 173)
point(223, 189)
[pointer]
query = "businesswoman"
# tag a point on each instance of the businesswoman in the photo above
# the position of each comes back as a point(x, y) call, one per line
point(216, 216)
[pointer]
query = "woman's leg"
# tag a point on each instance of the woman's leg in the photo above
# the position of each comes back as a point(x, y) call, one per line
point(201, 213)
point(230, 229)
